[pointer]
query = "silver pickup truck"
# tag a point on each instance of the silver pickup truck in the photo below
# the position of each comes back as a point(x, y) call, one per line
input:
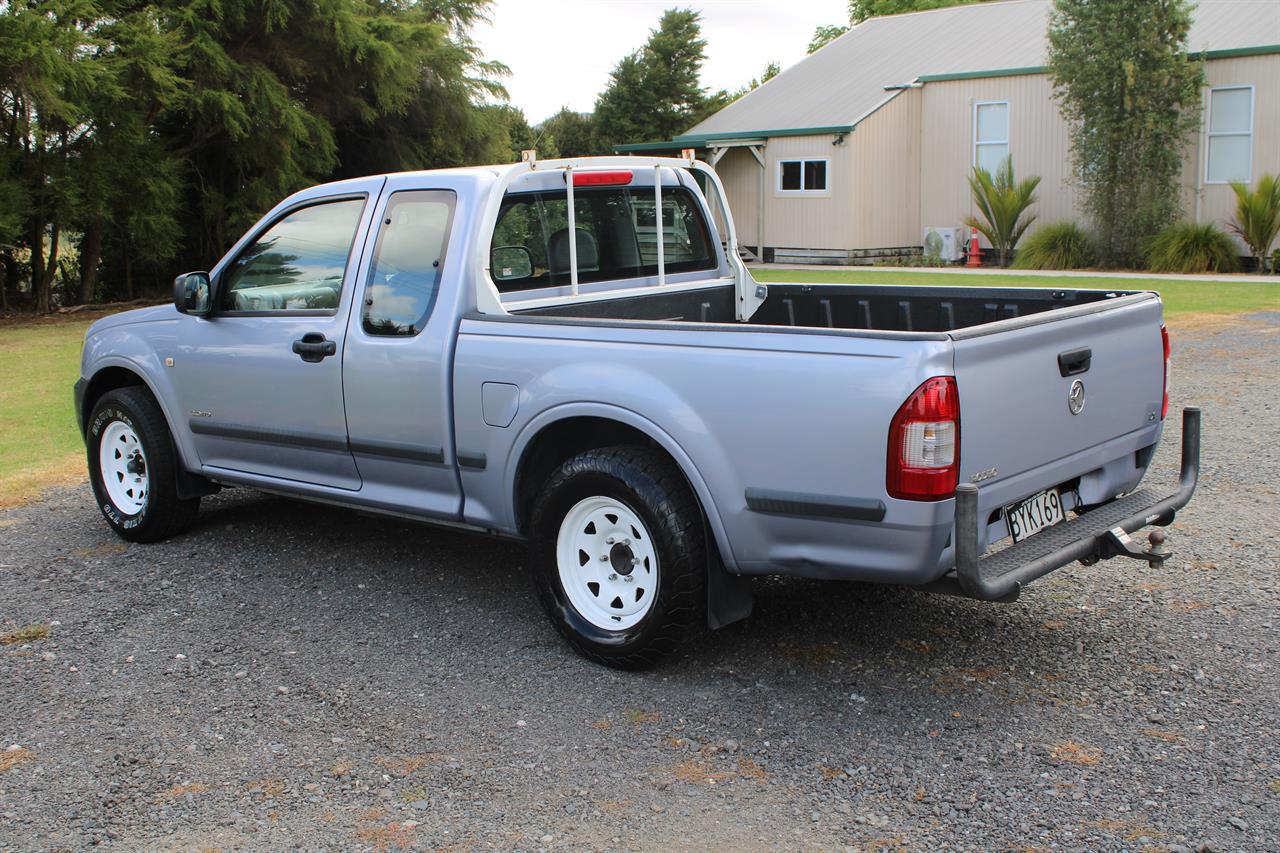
point(573, 354)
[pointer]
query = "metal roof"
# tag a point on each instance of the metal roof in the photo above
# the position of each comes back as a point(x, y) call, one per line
point(850, 78)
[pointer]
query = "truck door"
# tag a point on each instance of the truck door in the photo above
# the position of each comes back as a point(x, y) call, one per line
point(399, 345)
point(261, 378)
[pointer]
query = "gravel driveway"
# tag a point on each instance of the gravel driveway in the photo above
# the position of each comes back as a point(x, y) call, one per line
point(289, 676)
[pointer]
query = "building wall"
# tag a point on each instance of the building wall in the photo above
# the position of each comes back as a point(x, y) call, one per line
point(740, 174)
point(811, 222)
point(884, 153)
point(1217, 201)
point(905, 167)
point(1039, 140)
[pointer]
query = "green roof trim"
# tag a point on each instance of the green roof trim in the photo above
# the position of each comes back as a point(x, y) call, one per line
point(699, 138)
point(1224, 53)
point(977, 75)
point(646, 146)
point(1230, 52)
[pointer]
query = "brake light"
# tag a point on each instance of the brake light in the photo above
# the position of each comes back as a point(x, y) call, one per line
point(924, 443)
point(1164, 337)
point(601, 179)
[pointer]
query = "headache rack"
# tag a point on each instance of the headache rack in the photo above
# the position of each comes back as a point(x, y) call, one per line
point(488, 299)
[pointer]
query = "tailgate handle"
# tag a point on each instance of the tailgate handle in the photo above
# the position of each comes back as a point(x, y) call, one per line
point(1074, 361)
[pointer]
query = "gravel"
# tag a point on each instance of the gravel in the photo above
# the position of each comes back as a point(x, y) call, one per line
point(296, 676)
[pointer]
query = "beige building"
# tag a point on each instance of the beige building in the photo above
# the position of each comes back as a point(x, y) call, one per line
point(860, 148)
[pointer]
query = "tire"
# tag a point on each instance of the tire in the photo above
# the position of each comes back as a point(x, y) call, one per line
point(133, 467)
point(633, 511)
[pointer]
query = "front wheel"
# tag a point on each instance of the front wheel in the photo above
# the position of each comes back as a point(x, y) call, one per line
point(618, 555)
point(133, 467)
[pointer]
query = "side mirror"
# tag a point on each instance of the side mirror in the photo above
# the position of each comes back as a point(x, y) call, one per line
point(192, 294)
point(510, 263)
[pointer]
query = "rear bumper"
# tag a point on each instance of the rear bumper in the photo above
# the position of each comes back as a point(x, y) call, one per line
point(1090, 537)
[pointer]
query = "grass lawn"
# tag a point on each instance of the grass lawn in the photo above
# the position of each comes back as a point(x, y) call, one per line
point(1180, 297)
point(39, 443)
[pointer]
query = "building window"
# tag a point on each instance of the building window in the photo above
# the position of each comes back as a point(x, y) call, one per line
point(1230, 148)
point(990, 134)
point(802, 176)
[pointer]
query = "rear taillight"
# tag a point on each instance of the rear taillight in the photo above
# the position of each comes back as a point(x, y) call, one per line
point(1164, 337)
point(924, 443)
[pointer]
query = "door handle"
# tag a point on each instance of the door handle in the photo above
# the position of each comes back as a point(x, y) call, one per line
point(1075, 361)
point(313, 347)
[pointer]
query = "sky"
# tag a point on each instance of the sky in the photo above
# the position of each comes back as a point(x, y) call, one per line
point(561, 51)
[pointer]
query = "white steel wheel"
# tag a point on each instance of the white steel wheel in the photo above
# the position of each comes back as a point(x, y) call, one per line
point(607, 563)
point(123, 467)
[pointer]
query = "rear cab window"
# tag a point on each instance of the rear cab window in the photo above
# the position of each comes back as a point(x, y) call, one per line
point(408, 259)
point(617, 236)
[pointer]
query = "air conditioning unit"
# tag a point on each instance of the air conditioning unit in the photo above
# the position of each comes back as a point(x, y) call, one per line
point(946, 244)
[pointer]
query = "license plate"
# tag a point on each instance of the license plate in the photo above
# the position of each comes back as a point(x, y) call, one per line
point(1034, 514)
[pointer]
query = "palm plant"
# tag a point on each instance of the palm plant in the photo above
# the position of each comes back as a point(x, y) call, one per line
point(1002, 201)
point(1258, 216)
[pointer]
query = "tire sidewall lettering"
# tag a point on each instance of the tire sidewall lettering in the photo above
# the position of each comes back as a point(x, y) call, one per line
point(104, 417)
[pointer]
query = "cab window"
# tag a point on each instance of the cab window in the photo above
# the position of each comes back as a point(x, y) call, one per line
point(407, 262)
point(616, 235)
point(297, 264)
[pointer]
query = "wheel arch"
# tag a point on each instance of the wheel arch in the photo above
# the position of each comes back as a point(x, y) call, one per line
point(558, 433)
point(113, 373)
point(109, 378)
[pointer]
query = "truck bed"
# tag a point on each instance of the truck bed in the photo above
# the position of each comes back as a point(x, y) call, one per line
point(879, 307)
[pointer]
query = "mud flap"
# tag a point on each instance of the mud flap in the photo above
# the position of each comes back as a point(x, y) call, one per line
point(728, 596)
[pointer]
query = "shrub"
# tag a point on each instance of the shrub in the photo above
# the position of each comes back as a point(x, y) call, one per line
point(1258, 216)
point(1275, 262)
point(1192, 247)
point(1056, 246)
point(1002, 202)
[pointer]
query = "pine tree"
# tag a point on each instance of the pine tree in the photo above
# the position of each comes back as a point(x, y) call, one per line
point(654, 93)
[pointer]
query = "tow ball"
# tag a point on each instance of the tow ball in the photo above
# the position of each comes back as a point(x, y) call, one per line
point(1117, 543)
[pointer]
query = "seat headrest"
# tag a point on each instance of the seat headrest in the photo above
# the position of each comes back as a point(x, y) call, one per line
point(588, 254)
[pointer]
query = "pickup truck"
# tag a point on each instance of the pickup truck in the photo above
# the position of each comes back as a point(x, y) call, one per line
point(573, 354)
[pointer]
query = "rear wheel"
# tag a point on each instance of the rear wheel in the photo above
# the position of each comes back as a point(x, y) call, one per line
point(133, 467)
point(618, 555)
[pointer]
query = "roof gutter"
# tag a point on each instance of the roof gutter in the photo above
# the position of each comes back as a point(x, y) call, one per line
point(1223, 53)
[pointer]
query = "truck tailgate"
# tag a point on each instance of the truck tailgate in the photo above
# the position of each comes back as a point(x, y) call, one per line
point(1015, 412)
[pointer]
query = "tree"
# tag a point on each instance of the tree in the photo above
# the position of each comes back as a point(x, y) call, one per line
point(567, 134)
point(773, 69)
point(127, 184)
point(1002, 200)
point(46, 67)
point(518, 135)
point(824, 35)
point(1131, 93)
point(860, 10)
point(150, 133)
point(654, 92)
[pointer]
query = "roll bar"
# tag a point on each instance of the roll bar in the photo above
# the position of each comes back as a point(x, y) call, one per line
point(488, 299)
